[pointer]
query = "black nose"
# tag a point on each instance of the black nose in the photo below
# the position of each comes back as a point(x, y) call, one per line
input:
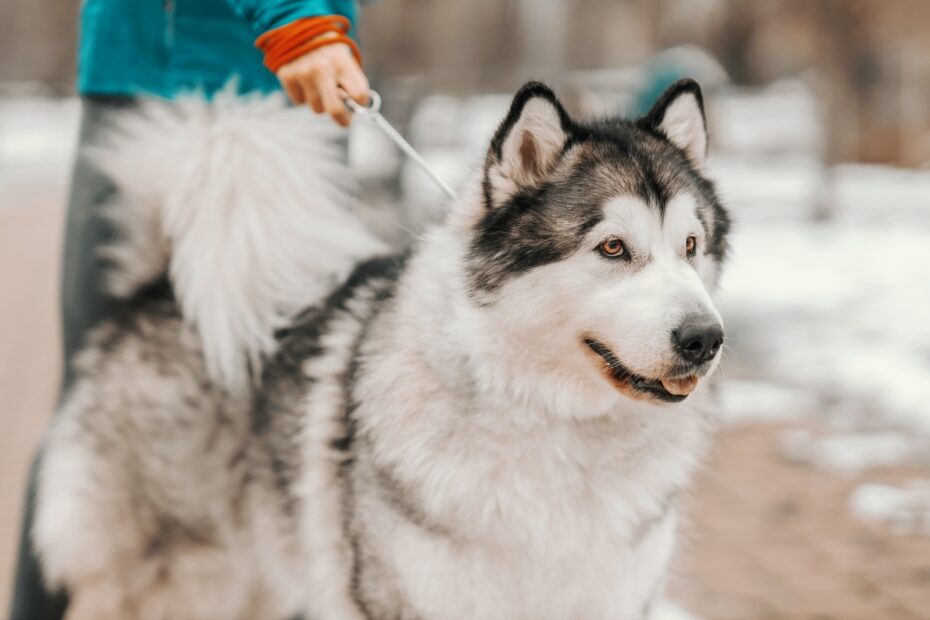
point(698, 342)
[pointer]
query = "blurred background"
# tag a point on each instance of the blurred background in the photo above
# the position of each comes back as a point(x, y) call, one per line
point(816, 501)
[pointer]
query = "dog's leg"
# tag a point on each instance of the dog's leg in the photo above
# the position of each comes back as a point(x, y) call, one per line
point(195, 584)
point(122, 557)
point(97, 598)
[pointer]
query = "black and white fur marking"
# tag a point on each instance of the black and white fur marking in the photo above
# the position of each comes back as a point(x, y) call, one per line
point(442, 436)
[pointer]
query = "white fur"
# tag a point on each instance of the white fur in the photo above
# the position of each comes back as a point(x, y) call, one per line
point(250, 199)
point(632, 306)
point(540, 469)
point(68, 482)
point(87, 530)
point(637, 314)
point(544, 493)
point(328, 557)
point(553, 494)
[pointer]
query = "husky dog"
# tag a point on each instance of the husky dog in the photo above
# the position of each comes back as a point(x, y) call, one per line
point(291, 422)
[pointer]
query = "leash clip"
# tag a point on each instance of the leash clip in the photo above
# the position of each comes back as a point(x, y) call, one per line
point(372, 112)
point(373, 107)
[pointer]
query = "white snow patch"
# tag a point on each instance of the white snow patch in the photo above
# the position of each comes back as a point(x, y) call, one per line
point(769, 188)
point(894, 196)
point(666, 610)
point(904, 509)
point(784, 117)
point(747, 402)
point(37, 131)
point(37, 144)
point(852, 453)
point(837, 309)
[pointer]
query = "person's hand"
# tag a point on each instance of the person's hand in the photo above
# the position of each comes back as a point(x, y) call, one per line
point(315, 79)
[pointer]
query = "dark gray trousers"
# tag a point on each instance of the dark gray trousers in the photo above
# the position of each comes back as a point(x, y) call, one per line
point(84, 303)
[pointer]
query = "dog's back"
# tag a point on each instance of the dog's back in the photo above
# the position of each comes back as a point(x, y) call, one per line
point(162, 491)
point(183, 415)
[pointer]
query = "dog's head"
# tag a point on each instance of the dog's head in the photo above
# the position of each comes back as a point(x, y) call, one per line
point(596, 244)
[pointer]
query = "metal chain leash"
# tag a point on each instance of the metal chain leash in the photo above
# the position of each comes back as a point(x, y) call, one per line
point(372, 113)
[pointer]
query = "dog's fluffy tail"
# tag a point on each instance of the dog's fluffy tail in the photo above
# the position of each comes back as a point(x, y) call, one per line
point(244, 203)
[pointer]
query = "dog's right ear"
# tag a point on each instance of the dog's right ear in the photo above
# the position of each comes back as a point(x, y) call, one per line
point(528, 143)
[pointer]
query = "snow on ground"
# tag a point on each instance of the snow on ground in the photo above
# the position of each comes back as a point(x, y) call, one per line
point(744, 401)
point(839, 309)
point(666, 610)
point(784, 117)
point(836, 313)
point(854, 452)
point(37, 131)
point(827, 317)
point(37, 139)
point(904, 509)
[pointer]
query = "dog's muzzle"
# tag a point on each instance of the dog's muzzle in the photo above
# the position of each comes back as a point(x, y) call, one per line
point(637, 386)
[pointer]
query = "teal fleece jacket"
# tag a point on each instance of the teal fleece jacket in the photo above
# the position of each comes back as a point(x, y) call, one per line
point(163, 47)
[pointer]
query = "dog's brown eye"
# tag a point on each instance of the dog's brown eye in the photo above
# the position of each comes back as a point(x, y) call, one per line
point(612, 247)
point(691, 245)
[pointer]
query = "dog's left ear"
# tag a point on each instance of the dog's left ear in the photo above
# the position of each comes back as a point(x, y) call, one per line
point(679, 116)
point(528, 143)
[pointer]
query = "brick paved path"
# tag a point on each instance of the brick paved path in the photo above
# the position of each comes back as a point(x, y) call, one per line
point(767, 539)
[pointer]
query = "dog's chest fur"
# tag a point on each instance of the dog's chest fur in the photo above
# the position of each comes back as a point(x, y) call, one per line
point(515, 512)
point(453, 499)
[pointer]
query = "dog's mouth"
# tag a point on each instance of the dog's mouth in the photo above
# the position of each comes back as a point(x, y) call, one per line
point(669, 389)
